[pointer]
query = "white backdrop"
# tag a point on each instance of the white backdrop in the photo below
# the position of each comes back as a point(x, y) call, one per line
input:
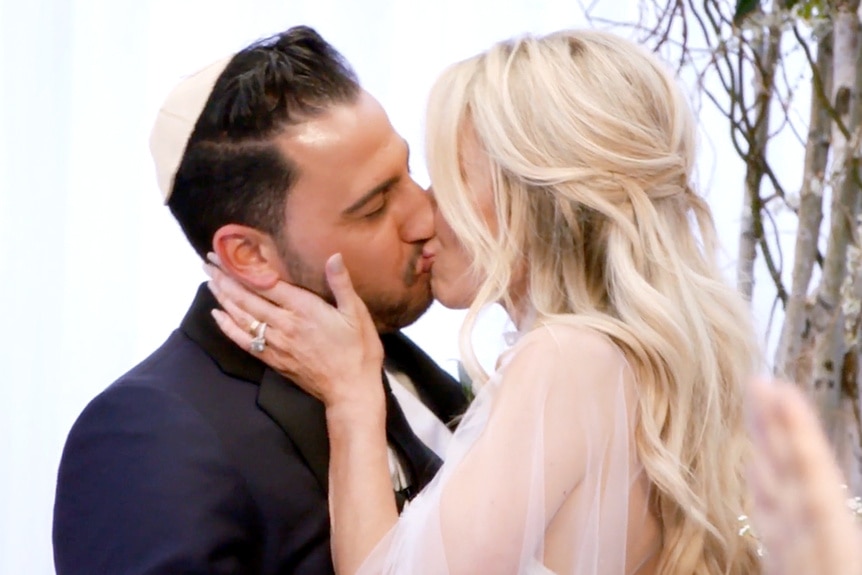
point(94, 271)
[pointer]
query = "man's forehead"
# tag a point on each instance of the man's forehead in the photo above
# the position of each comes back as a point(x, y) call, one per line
point(327, 153)
point(340, 167)
point(313, 135)
point(326, 129)
point(335, 131)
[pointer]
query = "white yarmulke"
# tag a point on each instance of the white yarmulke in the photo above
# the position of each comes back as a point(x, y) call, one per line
point(176, 121)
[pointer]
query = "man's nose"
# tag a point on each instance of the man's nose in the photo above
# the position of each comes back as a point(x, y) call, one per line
point(418, 224)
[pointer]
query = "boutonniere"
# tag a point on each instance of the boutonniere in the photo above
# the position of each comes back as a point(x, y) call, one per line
point(466, 382)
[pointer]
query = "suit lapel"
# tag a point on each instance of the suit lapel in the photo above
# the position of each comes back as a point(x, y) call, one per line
point(301, 417)
point(201, 328)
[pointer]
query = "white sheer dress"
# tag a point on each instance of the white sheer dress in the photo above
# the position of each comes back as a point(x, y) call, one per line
point(541, 476)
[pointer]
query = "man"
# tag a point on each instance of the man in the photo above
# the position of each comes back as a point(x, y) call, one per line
point(201, 459)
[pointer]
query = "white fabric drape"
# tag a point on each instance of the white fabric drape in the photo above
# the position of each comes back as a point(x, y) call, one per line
point(94, 273)
point(541, 475)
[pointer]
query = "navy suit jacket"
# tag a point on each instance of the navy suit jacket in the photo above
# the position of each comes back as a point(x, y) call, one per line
point(203, 460)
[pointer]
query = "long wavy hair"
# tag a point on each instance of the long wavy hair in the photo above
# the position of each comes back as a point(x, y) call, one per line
point(591, 146)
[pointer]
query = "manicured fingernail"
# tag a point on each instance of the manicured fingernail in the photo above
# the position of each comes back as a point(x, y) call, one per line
point(213, 257)
point(218, 315)
point(336, 264)
point(207, 269)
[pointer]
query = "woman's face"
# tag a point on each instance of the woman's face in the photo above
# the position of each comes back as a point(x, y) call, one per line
point(452, 282)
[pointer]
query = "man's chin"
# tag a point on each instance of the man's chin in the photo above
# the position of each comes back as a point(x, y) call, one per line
point(394, 319)
point(414, 317)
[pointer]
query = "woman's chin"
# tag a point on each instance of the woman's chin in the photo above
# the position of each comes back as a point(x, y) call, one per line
point(450, 298)
point(453, 305)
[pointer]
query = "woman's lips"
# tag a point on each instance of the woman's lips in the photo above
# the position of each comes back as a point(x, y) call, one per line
point(425, 262)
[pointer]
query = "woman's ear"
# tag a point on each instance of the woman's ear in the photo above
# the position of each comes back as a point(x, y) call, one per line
point(249, 255)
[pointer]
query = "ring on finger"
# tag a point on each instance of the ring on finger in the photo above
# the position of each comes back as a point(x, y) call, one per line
point(255, 325)
point(258, 344)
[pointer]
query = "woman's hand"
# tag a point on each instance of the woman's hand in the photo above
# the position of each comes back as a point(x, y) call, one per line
point(333, 353)
point(799, 511)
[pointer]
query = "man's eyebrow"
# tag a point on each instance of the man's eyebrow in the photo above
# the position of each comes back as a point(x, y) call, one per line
point(370, 195)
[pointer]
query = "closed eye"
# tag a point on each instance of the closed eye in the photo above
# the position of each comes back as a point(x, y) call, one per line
point(379, 211)
point(380, 191)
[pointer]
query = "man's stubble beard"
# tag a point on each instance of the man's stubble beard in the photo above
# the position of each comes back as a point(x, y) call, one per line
point(388, 315)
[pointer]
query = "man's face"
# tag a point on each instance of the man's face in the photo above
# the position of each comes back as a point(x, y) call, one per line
point(354, 195)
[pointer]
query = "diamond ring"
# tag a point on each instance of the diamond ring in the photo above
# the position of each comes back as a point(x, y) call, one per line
point(258, 344)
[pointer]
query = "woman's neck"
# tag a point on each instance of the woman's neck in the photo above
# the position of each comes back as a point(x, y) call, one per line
point(520, 309)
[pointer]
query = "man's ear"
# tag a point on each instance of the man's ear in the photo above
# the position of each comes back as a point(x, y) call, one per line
point(249, 255)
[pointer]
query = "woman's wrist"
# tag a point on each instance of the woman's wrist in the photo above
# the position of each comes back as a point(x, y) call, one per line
point(366, 409)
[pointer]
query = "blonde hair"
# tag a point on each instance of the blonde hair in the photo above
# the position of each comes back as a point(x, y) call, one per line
point(591, 146)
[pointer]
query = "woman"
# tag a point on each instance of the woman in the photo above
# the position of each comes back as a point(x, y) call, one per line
point(610, 438)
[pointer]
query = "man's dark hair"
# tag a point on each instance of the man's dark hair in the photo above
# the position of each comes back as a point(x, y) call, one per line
point(231, 171)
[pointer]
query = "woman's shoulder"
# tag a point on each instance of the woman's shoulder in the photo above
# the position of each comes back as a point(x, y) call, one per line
point(572, 377)
point(568, 340)
point(574, 352)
